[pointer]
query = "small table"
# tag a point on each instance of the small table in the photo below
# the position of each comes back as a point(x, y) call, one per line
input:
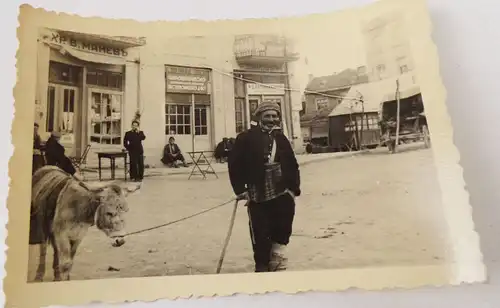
point(112, 157)
point(200, 159)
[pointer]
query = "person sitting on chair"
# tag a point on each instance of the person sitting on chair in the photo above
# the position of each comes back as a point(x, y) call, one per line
point(172, 154)
point(55, 156)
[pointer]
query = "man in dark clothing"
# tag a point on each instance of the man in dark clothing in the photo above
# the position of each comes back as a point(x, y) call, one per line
point(54, 152)
point(222, 150)
point(309, 148)
point(38, 160)
point(172, 154)
point(133, 144)
point(263, 169)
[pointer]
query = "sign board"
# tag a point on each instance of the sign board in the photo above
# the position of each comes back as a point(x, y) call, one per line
point(265, 89)
point(187, 80)
point(58, 39)
point(321, 102)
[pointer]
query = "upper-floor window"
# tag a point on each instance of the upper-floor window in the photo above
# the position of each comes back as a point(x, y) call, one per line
point(106, 79)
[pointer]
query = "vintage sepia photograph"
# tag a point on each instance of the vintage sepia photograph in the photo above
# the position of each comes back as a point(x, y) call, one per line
point(215, 153)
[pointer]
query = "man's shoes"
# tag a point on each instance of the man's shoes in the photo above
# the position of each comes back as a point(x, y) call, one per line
point(278, 260)
point(261, 268)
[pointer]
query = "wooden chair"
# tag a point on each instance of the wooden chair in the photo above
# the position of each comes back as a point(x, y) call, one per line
point(79, 162)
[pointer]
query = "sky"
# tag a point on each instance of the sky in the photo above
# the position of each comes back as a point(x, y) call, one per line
point(340, 47)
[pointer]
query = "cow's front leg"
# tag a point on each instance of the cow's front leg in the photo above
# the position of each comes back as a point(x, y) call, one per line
point(40, 271)
point(74, 247)
point(55, 260)
point(65, 262)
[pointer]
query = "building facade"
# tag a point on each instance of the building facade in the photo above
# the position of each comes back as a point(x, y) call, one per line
point(195, 89)
point(86, 87)
point(265, 72)
point(355, 124)
point(388, 50)
point(322, 95)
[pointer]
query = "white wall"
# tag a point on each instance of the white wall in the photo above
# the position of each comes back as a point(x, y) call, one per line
point(215, 53)
point(295, 82)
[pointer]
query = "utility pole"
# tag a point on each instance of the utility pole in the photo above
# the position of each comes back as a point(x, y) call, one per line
point(398, 111)
point(362, 102)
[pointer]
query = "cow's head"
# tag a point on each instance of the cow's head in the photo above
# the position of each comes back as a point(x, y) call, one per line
point(110, 213)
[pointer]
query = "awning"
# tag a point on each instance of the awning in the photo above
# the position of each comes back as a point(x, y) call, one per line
point(372, 94)
point(91, 57)
point(375, 93)
point(87, 56)
point(403, 93)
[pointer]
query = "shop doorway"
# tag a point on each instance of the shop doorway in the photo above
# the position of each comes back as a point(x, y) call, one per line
point(63, 112)
point(202, 133)
point(253, 103)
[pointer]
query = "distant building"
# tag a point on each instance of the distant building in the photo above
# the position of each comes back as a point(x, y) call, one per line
point(388, 50)
point(322, 95)
point(354, 124)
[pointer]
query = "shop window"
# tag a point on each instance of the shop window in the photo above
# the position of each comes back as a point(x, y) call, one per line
point(239, 104)
point(349, 126)
point(68, 111)
point(240, 115)
point(61, 108)
point(105, 79)
point(200, 120)
point(106, 118)
point(368, 122)
point(177, 119)
point(239, 86)
point(65, 74)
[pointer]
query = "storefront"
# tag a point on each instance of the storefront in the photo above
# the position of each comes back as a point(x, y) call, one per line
point(250, 92)
point(188, 112)
point(81, 89)
point(265, 93)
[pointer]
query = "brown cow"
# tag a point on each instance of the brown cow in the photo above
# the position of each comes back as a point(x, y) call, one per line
point(63, 209)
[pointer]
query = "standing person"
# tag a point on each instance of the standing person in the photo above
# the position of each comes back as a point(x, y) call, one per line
point(55, 155)
point(133, 143)
point(263, 169)
point(38, 160)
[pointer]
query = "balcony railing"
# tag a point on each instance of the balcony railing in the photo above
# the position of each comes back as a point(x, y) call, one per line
point(262, 50)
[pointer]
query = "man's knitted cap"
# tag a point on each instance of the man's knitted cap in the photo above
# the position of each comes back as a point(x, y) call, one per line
point(267, 106)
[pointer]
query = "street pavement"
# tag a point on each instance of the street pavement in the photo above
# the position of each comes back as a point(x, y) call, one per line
point(372, 209)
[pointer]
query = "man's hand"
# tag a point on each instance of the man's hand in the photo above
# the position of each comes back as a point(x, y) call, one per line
point(242, 196)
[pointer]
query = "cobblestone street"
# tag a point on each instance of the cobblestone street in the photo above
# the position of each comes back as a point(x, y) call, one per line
point(374, 209)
